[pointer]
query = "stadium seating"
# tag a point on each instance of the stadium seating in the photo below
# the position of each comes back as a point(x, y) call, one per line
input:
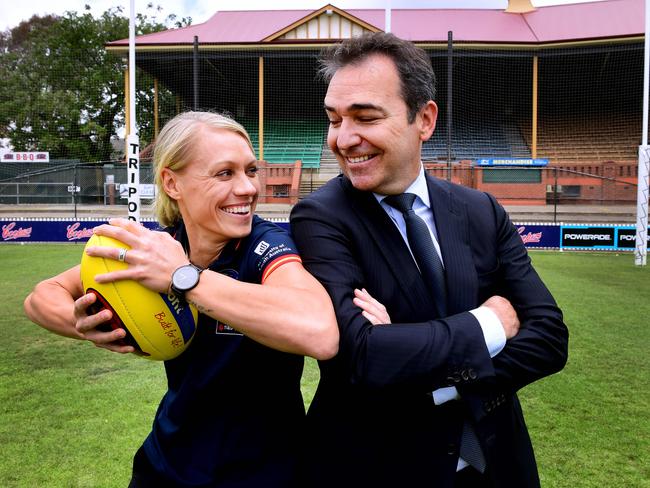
point(610, 137)
point(473, 140)
point(286, 141)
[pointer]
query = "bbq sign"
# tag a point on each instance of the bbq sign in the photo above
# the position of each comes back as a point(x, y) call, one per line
point(15, 157)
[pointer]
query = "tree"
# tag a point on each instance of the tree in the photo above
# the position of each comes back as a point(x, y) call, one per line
point(62, 91)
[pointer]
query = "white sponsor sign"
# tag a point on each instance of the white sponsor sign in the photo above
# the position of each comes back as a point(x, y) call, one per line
point(36, 156)
point(147, 190)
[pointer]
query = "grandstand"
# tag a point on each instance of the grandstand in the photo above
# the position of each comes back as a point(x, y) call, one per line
point(588, 81)
point(561, 83)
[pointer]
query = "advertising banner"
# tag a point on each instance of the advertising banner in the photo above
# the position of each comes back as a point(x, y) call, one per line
point(52, 230)
point(512, 162)
point(539, 235)
point(626, 238)
point(588, 237)
point(534, 236)
point(605, 237)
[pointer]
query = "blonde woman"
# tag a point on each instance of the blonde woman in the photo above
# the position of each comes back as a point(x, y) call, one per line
point(233, 408)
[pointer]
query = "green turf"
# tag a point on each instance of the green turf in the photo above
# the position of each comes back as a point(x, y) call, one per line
point(73, 415)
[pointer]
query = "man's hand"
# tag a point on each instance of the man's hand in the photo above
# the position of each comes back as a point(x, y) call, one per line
point(371, 309)
point(506, 314)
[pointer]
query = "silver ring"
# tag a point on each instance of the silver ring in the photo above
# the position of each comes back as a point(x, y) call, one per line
point(121, 256)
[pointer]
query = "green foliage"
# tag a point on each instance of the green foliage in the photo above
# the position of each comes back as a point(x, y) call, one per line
point(73, 415)
point(63, 92)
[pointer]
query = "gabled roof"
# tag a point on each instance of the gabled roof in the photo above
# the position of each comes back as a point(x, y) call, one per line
point(322, 17)
point(560, 23)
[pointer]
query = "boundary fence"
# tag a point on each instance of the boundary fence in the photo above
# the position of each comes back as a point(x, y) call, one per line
point(606, 237)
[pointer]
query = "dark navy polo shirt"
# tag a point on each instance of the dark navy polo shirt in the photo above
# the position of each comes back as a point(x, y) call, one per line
point(233, 409)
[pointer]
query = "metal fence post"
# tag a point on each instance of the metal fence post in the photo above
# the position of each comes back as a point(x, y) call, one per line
point(450, 68)
point(555, 197)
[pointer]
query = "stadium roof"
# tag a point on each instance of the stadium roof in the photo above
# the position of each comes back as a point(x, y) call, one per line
point(610, 19)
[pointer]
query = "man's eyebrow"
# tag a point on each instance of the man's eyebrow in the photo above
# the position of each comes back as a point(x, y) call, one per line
point(357, 107)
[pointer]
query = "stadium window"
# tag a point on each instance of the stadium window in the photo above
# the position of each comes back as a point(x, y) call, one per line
point(512, 175)
point(280, 191)
point(571, 191)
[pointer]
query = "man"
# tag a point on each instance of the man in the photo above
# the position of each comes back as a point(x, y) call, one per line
point(431, 355)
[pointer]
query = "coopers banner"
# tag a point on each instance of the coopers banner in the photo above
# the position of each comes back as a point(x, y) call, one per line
point(540, 236)
point(53, 230)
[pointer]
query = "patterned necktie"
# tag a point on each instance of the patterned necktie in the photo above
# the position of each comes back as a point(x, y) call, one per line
point(431, 269)
point(470, 449)
point(423, 249)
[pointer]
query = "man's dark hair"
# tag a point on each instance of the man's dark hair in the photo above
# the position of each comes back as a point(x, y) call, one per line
point(413, 65)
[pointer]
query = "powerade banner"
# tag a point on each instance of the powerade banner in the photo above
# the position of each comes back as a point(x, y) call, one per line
point(53, 231)
point(626, 238)
point(603, 237)
point(512, 162)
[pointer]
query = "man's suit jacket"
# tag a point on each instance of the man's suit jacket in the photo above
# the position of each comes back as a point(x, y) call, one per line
point(373, 421)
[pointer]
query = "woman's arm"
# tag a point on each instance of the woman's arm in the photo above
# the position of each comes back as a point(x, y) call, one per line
point(290, 312)
point(51, 303)
point(59, 305)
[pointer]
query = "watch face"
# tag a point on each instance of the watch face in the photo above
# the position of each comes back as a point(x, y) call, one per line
point(185, 277)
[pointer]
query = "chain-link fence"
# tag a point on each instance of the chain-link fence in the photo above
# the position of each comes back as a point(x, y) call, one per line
point(608, 184)
point(69, 183)
point(106, 184)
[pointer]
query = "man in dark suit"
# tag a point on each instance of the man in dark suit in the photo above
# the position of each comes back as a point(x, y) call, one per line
point(423, 390)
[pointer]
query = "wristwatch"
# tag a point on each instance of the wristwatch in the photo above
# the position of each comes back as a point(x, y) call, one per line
point(184, 279)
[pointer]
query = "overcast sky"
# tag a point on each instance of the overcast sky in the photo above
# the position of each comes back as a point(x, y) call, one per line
point(12, 12)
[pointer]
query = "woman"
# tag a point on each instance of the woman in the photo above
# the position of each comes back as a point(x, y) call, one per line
point(233, 408)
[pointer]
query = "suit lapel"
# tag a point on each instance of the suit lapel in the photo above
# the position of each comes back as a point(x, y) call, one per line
point(452, 224)
point(396, 254)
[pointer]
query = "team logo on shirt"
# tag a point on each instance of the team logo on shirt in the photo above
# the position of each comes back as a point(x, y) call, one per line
point(221, 328)
point(225, 329)
point(261, 247)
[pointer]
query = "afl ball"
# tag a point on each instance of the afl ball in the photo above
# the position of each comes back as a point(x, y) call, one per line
point(159, 326)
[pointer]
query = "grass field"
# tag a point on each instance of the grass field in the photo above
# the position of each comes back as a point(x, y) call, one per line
point(73, 415)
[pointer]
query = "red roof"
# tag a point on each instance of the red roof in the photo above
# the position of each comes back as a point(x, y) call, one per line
point(584, 21)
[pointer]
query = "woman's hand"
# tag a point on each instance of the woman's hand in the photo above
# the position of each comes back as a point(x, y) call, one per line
point(371, 309)
point(89, 326)
point(152, 259)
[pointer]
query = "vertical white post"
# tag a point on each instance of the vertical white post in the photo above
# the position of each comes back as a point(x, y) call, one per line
point(133, 141)
point(641, 249)
point(388, 16)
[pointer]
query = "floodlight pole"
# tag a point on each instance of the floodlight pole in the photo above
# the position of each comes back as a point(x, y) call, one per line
point(132, 140)
point(641, 249)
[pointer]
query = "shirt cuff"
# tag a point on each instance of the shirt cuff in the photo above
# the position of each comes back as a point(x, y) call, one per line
point(444, 395)
point(493, 333)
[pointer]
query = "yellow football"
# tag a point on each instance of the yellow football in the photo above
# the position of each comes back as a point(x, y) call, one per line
point(159, 326)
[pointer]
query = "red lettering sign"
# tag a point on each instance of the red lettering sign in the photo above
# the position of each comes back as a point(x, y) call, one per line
point(8, 232)
point(73, 234)
point(530, 237)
